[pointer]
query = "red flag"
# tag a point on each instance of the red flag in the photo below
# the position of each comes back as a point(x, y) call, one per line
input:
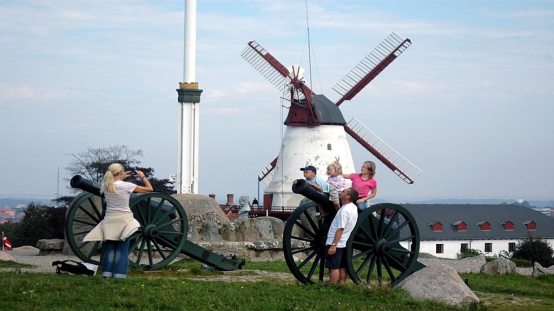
point(6, 242)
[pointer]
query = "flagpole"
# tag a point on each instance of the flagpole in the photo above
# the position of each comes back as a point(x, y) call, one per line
point(3, 237)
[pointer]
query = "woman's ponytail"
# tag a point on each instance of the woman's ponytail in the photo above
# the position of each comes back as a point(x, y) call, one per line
point(108, 182)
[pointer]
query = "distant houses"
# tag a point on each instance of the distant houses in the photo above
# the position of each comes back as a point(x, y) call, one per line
point(448, 230)
point(10, 214)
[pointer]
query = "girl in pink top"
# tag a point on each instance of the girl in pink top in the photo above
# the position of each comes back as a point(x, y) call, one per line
point(365, 184)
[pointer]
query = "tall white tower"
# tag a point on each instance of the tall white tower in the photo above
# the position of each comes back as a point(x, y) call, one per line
point(189, 99)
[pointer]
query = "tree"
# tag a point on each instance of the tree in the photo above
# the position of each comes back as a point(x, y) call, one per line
point(39, 222)
point(535, 250)
point(94, 162)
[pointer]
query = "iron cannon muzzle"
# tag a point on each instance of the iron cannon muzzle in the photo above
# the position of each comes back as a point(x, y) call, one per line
point(304, 188)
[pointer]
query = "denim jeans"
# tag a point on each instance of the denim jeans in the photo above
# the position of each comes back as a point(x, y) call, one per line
point(362, 206)
point(115, 261)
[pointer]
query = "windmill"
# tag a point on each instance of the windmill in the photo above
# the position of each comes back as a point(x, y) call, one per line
point(316, 129)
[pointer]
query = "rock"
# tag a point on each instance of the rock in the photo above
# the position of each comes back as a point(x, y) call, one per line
point(500, 265)
point(264, 228)
point(50, 246)
point(193, 234)
point(441, 283)
point(4, 256)
point(210, 232)
point(201, 208)
point(539, 270)
point(465, 265)
point(248, 233)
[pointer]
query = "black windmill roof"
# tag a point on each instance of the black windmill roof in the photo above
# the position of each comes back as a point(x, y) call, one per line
point(327, 112)
point(473, 215)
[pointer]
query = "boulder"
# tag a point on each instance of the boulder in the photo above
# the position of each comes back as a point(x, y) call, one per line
point(540, 270)
point(210, 232)
point(201, 208)
point(247, 231)
point(50, 246)
point(264, 228)
point(4, 256)
point(440, 283)
point(500, 265)
point(465, 265)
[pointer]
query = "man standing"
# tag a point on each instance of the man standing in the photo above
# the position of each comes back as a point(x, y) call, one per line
point(339, 232)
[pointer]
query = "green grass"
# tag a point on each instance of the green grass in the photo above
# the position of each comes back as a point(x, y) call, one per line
point(13, 264)
point(177, 287)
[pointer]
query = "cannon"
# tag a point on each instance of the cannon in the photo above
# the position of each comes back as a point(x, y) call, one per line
point(374, 252)
point(162, 236)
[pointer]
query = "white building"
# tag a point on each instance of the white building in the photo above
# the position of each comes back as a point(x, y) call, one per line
point(447, 230)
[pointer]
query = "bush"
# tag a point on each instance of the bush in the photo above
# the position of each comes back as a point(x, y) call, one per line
point(535, 250)
point(469, 253)
point(522, 263)
point(39, 222)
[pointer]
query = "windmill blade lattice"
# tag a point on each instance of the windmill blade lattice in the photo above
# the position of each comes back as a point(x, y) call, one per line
point(369, 67)
point(401, 166)
point(266, 64)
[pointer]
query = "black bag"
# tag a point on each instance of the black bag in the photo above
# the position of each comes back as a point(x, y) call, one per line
point(71, 266)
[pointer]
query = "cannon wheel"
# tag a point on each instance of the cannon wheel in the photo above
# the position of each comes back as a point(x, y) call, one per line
point(163, 232)
point(161, 237)
point(305, 234)
point(374, 245)
point(85, 212)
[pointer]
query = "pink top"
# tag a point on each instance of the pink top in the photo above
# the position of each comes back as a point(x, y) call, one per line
point(363, 186)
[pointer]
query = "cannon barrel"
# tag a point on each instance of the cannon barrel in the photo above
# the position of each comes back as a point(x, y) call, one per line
point(84, 184)
point(304, 188)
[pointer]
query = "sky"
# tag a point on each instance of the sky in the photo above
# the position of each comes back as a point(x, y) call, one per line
point(470, 102)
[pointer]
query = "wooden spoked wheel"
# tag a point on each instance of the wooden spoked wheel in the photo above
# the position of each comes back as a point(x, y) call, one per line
point(83, 214)
point(161, 237)
point(304, 243)
point(163, 232)
point(384, 246)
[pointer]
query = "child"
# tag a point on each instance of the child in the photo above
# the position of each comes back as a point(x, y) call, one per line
point(310, 173)
point(337, 183)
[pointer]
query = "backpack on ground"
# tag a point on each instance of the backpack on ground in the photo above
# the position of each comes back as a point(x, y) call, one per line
point(71, 267)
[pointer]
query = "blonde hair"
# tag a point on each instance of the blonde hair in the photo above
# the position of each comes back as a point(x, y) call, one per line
point(337, 166)
point(108, 181)
point(372, 165)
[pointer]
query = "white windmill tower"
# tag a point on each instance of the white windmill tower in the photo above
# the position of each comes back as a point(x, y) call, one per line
point(316, 129)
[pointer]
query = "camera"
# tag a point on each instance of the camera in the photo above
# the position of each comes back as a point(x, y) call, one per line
point(133, 173)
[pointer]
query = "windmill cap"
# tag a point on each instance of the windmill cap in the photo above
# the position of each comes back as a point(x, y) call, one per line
point(309, 168)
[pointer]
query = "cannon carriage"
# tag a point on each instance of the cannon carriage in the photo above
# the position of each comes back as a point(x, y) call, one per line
point(162, 236)
point(382, 248)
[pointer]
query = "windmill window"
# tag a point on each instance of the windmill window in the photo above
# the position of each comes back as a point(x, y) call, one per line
point(329, 147)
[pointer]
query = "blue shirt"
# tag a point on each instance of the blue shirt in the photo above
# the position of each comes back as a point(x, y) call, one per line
point(320, 182)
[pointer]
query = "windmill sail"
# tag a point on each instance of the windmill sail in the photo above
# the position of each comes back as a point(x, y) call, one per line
point(401, 166)
point(369, 67)
point(266, 64)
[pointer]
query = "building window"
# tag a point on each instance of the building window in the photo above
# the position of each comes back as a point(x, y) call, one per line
point(460, 226)
point(329, 147)
point(484, 225)
point(511, 247)
point(530, 225)
point(488, 247)
point(436, 226)
point(508, 225)
point(464, 247)
point(440, 248)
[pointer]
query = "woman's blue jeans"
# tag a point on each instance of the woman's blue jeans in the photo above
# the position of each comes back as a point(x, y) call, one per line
point(362, 206)
point(115, 261)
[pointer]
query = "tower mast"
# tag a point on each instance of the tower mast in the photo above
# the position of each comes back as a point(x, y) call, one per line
point(189, 99)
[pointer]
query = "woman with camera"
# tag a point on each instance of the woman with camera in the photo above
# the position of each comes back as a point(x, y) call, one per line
point(118, 224)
